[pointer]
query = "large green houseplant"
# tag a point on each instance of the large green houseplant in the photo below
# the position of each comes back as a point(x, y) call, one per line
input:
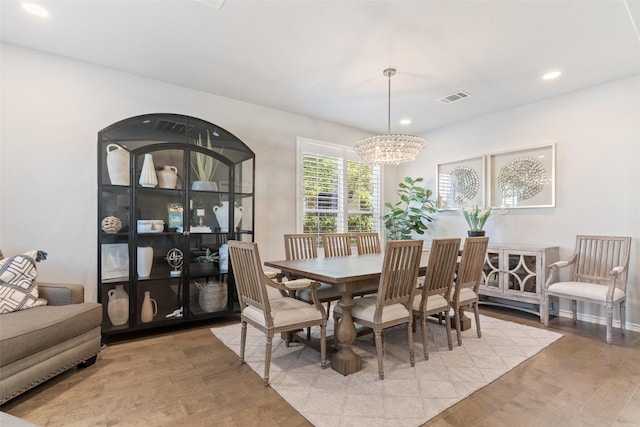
point(411, 213)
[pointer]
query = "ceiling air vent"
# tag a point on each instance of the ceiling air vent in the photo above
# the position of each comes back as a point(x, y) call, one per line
point(172, 127)
point(454, 97)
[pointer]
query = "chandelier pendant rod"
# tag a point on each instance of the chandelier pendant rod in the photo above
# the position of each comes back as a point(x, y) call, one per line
point(389, 72)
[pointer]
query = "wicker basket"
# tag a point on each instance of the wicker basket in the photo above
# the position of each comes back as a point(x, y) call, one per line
point(212, 296)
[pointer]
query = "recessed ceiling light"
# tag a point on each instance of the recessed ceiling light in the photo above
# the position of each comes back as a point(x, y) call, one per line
point(405, 121)
point(35, 9)
point(552, 75)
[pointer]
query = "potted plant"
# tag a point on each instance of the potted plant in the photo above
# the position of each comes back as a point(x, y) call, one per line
point(411, 212)
point(476, 217)
point(204, 168)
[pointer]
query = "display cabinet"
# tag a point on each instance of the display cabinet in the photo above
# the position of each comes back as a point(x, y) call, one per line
point(513, 276)
point(172, 190)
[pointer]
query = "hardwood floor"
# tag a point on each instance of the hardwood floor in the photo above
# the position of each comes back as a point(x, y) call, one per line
point(189, 378)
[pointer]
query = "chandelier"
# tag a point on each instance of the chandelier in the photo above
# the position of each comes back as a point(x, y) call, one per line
point(389, 149)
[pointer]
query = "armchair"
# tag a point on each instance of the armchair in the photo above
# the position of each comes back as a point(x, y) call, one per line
point(598, 275)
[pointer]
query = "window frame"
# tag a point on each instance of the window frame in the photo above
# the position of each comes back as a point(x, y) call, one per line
point(347, 154)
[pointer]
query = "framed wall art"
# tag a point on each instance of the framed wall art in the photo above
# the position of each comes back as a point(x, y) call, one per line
point(523, 178)
point(461, 183)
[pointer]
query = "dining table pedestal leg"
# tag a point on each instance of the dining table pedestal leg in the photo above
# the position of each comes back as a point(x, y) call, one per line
point(345, 360)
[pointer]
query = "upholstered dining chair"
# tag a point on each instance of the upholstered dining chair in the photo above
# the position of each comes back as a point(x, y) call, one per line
point(368, 243)
point(468, 280)
point(392, 305)
point(303, 246)
point(336, 244)
point(598, 275)
point(276, 315)
point(435, 294)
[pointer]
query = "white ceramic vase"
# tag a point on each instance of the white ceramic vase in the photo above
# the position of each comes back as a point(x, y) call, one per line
point(149, 308)
point(148, 177)
point(118, 306)
point(222, 216)
point(118, 164)
point(145, 261)
point(167, 177)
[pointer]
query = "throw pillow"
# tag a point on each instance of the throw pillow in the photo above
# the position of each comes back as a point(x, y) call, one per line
point(18, 286)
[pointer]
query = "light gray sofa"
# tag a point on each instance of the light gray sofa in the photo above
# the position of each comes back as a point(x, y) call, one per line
point(41, 342)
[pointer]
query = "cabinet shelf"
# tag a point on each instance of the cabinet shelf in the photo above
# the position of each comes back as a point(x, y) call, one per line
point(125, 150)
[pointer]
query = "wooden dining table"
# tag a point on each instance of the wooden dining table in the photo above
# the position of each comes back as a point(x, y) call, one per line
point(347, 274)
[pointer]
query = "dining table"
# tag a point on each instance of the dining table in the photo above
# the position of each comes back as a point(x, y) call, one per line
point(348, 274)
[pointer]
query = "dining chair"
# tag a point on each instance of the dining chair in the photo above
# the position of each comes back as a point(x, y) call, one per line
point(368, 243)
point(598, 275)
point(336, 244)
point(392, 305)
point(300, 246)
point(468, 280)
point(435, 297)
point(276, 315)
point(303, 246)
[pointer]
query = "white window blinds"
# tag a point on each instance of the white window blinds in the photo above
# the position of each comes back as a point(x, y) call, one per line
point(339, 192)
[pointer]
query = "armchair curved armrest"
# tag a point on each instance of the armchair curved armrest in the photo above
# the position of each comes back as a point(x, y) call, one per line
point(616, 271)
point(555, 269)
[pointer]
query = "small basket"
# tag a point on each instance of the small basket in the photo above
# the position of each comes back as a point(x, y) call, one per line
point(212, 296)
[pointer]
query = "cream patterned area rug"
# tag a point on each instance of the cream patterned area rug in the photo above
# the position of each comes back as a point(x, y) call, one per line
point(407, 396)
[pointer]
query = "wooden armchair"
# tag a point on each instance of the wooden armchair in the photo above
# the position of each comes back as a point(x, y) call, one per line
point(435, 295)
point(468, 280)
point(276, 315)
point(598, 275)
point(368, 243)
point(392, 305)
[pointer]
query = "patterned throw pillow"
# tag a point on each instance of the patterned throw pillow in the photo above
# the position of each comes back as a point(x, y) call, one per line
point(18, 287)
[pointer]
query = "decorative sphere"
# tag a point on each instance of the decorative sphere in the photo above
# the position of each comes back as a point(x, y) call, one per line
point(111, 225)
point(175, 258)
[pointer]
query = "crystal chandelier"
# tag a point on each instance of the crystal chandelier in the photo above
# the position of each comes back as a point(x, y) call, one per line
point(389, 149)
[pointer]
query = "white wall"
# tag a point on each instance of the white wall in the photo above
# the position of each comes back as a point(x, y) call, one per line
point(51, 111)
point(597, 135)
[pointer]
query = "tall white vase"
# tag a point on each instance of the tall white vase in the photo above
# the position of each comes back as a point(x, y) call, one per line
point(148, 177)
point(149, 308)
point(145, 261)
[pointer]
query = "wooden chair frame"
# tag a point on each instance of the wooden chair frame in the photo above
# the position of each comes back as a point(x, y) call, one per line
point(598, 275)
point(468, 280)
point(396, 288)
point(368, 243)
point(336, 244)
point(435, 295)
point(272, 317)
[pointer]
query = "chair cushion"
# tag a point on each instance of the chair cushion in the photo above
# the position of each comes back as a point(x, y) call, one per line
point(18, 287)
point(584, 290)
point(365, 309)
point(325, 293)
point(466, 295)
point(435, 303)
point(285, 312)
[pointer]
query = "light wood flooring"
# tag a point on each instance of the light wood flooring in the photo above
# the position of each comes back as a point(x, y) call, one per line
point(189, 378)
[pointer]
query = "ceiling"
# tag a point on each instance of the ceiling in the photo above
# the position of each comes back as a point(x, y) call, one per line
point(325, 59)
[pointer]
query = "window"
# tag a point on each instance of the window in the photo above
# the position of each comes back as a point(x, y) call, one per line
point(338, 191)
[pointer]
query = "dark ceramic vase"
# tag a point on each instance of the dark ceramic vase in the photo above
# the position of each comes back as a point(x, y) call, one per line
point(475, 233)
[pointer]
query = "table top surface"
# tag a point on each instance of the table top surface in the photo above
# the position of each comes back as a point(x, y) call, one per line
point(335, 270)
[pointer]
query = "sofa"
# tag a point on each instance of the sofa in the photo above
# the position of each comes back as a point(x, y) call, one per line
point(41, 342)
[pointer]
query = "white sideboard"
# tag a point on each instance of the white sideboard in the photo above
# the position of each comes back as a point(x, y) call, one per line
point(514, 275)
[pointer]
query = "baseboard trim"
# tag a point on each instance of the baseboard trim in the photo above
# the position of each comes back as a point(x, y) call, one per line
point(600, 320)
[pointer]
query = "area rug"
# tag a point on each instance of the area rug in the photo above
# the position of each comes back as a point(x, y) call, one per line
point(407, 396)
